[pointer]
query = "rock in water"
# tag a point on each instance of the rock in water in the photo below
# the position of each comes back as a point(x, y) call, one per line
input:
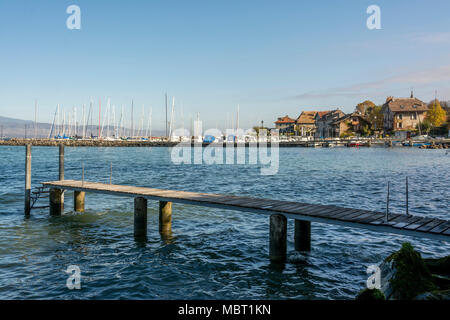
point(412, 276)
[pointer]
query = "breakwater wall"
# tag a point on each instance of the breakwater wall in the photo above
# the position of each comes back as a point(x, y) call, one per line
point(137, 143)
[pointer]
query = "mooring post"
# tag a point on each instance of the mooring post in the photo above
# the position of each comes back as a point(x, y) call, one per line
point(28, 180)
point(165, 217)
point(78, 200)
point(56, 202)
point(61, 162)
point(278, 237)
point(386, 217)
point(59, 195)
point(407, 198)
point(302, 235)
point(140, 217)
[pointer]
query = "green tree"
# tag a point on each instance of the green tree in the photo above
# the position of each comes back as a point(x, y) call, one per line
point(375, 116)
point(425, 126)
point(436, 115)
point(256, 128)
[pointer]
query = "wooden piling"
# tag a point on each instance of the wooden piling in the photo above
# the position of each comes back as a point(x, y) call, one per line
point(61, 176)
point(78, 200)
point(278, 237)
point(28, 180)
point(140, 217)
point(165, 217)
point(56, 202)
point(407, 198)
point(302, 235)
point(61, 162)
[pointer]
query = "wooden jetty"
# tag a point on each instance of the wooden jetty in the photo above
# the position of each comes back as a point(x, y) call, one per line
point(278, 210)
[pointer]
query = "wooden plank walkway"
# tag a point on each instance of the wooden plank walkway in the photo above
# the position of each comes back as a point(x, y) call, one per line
point(415, 226)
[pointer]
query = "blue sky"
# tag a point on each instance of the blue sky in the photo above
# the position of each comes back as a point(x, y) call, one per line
point(270, 57)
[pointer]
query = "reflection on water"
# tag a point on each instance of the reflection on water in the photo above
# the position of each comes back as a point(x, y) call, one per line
point(211, 253)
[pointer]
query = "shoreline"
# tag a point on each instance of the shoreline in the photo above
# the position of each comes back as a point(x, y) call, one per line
point(444, 143)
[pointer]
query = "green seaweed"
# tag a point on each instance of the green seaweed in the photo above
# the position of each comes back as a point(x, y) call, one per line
point(439, 266)
point(412, 276)
point(370, 294)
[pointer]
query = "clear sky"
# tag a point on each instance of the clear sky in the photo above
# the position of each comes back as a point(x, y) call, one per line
point(270, 57)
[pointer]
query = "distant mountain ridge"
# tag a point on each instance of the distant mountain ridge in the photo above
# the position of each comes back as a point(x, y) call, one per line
point(18, 128)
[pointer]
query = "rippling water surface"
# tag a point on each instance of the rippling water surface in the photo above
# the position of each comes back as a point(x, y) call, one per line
point(212, 254)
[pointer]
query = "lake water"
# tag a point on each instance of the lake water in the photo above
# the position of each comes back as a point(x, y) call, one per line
point(212, 254)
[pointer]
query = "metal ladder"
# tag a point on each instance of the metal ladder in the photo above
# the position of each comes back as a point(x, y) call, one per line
point(41, 192)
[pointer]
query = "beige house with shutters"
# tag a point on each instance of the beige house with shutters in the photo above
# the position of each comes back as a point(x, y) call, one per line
point(403, 114)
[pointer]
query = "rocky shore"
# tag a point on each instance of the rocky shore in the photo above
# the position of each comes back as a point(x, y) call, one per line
point(405, 275)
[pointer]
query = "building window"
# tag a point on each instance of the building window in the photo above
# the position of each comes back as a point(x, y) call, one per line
point(399, 125)
point(399, 116)
point(413, 116)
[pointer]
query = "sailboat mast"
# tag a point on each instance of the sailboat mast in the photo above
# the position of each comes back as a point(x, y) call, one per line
point(121, 122)
point(237, 118)
point(84, 121)
point(166, 114)
point(99, 117)
point(108, 119)
point(58, 119)
point(171, 124)
point(90, 114)
point(132, 125)
point(53, 124)
point(35, 119)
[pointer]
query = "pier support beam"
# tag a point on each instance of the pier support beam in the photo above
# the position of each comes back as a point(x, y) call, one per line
point(140, 217)
point(278, 236)
point(78, 200)
point(302, 235)
point(28, 180)
point(56, 202)
point(165, 217)
point(61, 162)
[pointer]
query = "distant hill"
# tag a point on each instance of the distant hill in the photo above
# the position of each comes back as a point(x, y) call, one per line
point(17, 128)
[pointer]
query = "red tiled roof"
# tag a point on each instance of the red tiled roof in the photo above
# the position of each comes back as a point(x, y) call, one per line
point(405, 104)
point(322, 113)
point(307, 117)
point(285, 119)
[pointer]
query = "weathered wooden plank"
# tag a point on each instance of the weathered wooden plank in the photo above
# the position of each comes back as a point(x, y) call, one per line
point(263, 205)
point(405, 221)
point(372, 217)
point(328, 213)
point(352, 216)
point(318, 210)
point(430, 225)
point(303, 208)
point(285, 207)
point(335, 214)
point(367, 216)
point(267, 204)
point(441, 227)
point(246, 202)
point(396, 218)
point(417, 224)
point(345, 212)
